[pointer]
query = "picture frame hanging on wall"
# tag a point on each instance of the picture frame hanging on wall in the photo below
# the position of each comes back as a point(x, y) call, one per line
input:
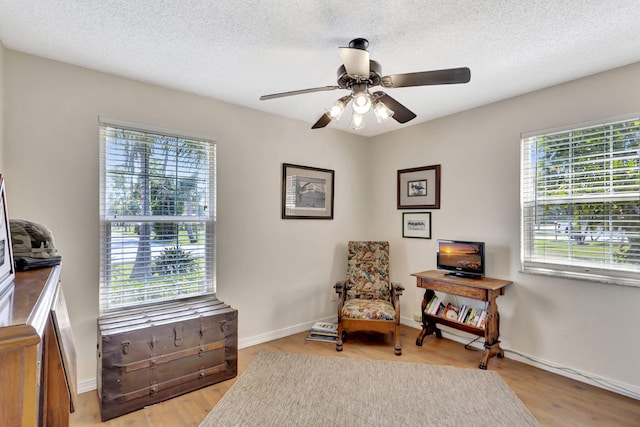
point(416, 225)
point(307, 192)
point(419, 188)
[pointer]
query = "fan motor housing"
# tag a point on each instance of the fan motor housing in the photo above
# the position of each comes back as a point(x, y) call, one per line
point(345, 81)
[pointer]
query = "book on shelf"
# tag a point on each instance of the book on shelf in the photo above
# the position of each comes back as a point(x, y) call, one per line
point(434, 307)
point(451, 312)
point(427, 308)
point(463, 312)
point(476, 318)
point(483, 319)
point(469, 316)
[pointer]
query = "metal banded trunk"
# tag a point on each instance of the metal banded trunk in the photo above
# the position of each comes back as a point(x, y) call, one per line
point(150, 354)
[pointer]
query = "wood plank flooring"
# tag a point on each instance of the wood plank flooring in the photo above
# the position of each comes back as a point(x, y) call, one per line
point(554, 400)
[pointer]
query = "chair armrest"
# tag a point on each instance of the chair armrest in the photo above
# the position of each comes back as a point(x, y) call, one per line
point(397, 288)
point(341, 290)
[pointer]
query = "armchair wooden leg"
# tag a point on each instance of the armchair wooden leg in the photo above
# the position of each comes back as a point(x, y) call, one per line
point(339, 345)
point(397, 350)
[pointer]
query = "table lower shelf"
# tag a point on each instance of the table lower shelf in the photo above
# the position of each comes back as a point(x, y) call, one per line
point(429, 327)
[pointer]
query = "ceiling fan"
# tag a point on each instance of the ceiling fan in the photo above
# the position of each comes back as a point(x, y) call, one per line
point(359, 73)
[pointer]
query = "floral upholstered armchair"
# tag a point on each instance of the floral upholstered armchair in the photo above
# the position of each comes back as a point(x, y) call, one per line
point(368, 301)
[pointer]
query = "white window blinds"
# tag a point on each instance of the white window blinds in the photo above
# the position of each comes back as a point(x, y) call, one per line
point(581, 202)
point(157, 214)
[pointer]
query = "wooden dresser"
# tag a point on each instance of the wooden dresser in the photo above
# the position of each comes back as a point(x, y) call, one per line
point(37, 353)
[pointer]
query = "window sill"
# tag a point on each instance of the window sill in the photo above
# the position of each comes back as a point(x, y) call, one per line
point(587, 277)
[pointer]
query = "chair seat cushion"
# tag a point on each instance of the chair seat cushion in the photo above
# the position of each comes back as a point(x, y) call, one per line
point(369, 309)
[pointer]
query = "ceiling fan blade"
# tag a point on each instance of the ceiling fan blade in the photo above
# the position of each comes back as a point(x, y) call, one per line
point(356, 61)
point(425, 78)
point(322, 121)
point(401, 114)
point(298, 92)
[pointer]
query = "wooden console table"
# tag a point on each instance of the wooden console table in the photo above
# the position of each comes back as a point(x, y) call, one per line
point(37, 354)
point(484, 289)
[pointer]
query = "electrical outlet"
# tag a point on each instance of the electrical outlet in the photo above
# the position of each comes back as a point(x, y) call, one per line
point(417, 317)
point(333, 295)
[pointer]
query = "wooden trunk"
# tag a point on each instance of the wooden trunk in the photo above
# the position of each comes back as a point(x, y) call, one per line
point(150, 354)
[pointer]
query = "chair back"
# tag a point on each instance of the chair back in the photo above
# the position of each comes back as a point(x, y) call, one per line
point(368, 271)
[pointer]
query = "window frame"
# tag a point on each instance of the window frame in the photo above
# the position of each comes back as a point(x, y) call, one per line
point(530, 202)
point(208, 219)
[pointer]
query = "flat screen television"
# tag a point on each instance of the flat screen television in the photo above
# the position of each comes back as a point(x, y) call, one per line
point(460, 258)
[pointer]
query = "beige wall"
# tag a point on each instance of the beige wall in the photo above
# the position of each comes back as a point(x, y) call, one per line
point(278, 273)
point(589, 327)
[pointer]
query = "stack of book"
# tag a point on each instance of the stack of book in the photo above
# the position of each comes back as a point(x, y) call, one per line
point(473, 316)
point(323, 331)
point(435, 306)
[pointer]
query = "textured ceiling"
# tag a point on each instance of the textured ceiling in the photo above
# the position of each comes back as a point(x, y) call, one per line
point(237, 50)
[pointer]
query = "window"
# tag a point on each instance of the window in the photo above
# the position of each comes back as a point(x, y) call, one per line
point(157, 216)
point(581, 202)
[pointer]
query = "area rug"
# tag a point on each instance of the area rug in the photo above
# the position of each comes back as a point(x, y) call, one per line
point(286, 389)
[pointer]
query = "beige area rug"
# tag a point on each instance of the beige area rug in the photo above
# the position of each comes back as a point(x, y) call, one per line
point(285, 389)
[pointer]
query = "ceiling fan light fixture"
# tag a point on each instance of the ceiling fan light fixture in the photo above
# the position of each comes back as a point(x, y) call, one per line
point(357, 121)
point(358, 74)
point(382, 112)
point(361, 101)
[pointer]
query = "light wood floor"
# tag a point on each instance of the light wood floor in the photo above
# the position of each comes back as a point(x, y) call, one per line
point(554, 400)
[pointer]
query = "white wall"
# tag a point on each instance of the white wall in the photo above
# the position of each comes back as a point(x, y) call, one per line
point(586, 326)
point(277, 273)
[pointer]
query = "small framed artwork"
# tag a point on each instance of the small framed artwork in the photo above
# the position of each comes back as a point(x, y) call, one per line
point(419, 188)
point(7, 271)
point(416, 225)
point(307, 192)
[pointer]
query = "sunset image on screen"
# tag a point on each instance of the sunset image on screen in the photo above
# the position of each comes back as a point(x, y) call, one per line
point(466, 255)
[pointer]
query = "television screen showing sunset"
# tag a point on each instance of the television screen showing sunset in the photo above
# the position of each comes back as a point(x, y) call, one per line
point(458, 254)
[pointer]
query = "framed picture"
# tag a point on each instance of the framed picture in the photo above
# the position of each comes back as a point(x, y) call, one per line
point(419, 188)
point(416, 225)
point(307, 193)
point(7, 271)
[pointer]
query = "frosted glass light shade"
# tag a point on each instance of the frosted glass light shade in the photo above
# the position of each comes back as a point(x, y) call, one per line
point(336, 110)
point(357, 121)
point(382, 112)
point(361, 103)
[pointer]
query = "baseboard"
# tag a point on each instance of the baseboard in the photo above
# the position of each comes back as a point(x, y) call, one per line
point(618, 387)
point(87, 385)
point(281, 333)
point(614, 386)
